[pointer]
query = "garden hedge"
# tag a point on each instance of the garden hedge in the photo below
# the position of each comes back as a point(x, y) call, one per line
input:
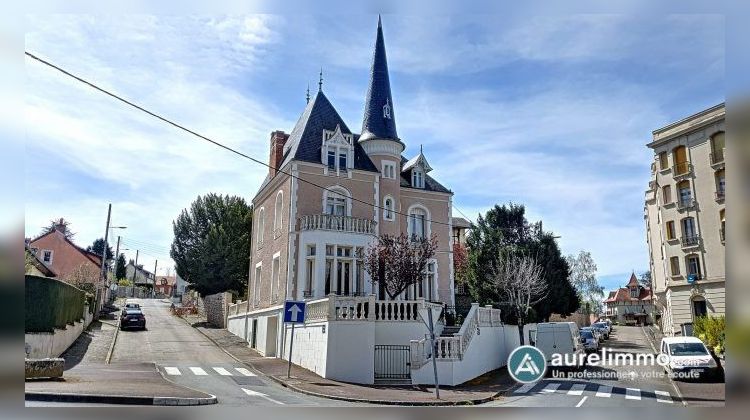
point(52, 304)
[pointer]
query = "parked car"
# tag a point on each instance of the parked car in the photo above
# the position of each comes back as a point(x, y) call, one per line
point(688, 354)
point(559, 338)
point(132, 318)
point(602, 328)
point(596, 332)
point(132, 305)
point(590, 342)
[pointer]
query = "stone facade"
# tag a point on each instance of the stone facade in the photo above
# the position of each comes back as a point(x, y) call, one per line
point(215, 307)
point(685, 218)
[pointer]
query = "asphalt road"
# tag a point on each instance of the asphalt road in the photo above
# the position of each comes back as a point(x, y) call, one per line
point(615, 386)
point(188, 358)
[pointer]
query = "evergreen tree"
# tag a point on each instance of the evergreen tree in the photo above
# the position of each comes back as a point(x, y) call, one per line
point(120, 270)
point(98, 246)
point(211, 244)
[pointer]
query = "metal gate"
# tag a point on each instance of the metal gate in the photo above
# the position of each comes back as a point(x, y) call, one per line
point(392, 362)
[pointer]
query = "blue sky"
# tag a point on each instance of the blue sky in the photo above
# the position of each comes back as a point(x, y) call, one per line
point(550, 111)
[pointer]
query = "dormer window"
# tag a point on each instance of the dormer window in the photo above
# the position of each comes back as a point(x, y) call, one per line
point(417, 178)
point(337, 151)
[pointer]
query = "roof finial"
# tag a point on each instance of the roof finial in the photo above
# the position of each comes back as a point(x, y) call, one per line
point(379, 23)
point(420, 149)
point(320, 81)
point(307, 97)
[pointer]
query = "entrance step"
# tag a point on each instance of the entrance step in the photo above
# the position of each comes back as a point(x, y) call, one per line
point(449, 331)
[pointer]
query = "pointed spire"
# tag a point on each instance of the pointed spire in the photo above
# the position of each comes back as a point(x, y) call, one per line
point(307, 96)
point(379, 120)
point(320, 81)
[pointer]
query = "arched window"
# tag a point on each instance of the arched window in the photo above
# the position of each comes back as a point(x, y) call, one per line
point(261, 225)
point(685, 193)
point(720, 184)
point(388, 208)
point(336, 201)
point(680, 159)
point(717, 147)
point(722, 220)
point(278, 211)
point(418, 222)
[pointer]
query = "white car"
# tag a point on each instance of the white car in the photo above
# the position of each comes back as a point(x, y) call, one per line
point(689, 358)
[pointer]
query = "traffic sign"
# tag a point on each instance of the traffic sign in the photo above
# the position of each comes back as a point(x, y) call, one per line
point(294, 312)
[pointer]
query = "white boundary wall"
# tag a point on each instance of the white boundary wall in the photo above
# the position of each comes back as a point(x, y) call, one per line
point(44, 345)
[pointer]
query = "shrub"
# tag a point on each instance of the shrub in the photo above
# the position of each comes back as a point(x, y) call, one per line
point(124, 283)
point(711, 331)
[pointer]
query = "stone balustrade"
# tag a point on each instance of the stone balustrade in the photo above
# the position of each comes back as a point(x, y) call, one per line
point(337, 223)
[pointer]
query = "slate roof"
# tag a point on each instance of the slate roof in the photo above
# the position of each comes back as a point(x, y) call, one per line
point(429, 182)
point(374, 123)
point(306, 139)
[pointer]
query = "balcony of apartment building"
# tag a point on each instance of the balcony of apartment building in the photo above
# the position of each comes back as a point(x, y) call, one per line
point(682, 170)
point(685, 203)
point(689, 242)
point(336, 223)
point(722, 234)
point(717, 158)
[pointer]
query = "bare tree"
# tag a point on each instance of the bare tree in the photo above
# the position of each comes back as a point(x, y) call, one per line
point(519, 284)
point(398, 262)
point(84, 277)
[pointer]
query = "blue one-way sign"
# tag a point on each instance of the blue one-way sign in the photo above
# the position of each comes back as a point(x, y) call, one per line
point(294, 312)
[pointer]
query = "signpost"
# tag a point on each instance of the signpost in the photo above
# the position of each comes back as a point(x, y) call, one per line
point(294, 313)
point(430, 326)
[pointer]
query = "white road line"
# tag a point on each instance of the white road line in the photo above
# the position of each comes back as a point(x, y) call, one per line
point(198, 371)
point(223, 372)
point(604, 391)
point(551, 388)
point(663, 397)
point(580, 403)
point(244, 371)
point(577, 389)
point(524, 388)
point(172, 371)
point(262, 395)
point(632, 394)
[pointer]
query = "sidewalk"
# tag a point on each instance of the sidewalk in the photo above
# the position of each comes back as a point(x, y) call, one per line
point(480, 390)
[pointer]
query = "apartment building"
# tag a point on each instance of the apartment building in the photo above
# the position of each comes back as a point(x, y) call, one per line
point(685, 217)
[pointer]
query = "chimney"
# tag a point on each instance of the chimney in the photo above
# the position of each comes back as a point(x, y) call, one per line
point(278, 140)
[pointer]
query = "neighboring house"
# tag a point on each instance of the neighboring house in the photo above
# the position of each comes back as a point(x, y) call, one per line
point(460, 228)
point(685, 218)
point(165, 285)
point(70, 262)
point(138, 275)
point(630, 305)
point(309, 244)
point(35, 266)
point(180, 285)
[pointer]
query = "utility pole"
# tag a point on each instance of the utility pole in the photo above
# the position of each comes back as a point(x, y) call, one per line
point(103, 272)
point(153, 288)
point(135, 266)
point(117, 255)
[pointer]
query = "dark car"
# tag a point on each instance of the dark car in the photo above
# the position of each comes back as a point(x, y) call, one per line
point(132, 318)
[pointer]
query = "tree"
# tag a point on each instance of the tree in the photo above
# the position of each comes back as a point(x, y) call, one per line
point(397, 262)
point(504, 230)
point(98, 247)
point(519, 283)
point(645, 279)
point(120, 267)
point(84, 277)
point(61, 225)
point(460, 263)
point(583, 278)
point(211, 244)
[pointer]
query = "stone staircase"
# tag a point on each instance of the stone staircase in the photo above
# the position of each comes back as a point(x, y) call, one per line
point(449, 331)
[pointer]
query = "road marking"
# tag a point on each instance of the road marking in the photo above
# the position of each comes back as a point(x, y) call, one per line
point(577, 389)
point(604, 391)
point(551, 388)
point(262, 395)
point(244, 371)
point(663, 397)
point(172, 371)
point(580, 403)
point(632, 394)
point(223, 372)
point(524, 388)
point(198, 371)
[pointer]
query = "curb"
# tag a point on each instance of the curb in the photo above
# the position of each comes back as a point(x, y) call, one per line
point(671, 381)
point(117, 399)
point(350, 399)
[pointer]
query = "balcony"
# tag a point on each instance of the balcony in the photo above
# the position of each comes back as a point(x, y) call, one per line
point(337, 223)
point(720, 196)
point(717, 159)
point(722, 235)
point(307, 294)
point(682, 169)
point(685, 204)
point(690, 241)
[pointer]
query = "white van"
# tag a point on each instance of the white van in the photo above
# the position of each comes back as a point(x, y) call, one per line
point(559, 338)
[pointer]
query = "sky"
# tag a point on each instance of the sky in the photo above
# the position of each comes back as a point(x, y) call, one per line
point(552, 112)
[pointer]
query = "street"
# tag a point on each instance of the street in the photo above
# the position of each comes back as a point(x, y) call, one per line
point(183, 355)
point(623, 386)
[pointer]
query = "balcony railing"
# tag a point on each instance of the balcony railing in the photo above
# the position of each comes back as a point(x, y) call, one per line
point(685, 204)
point(717, 157)
point(722, 235)
point(337, 223)
point(682, 169)
point(690, 241)
point(720, 195)
point(308, 294)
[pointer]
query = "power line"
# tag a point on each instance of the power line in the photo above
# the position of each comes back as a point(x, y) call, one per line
point(202, 137)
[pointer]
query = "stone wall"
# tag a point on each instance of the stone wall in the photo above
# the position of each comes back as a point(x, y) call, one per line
point(216, 307)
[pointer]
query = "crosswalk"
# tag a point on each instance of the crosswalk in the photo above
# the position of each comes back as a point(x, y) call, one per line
point(598, 391)
point(200, 371)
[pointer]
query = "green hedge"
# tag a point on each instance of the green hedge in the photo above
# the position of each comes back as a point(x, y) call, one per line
point(52, 304)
